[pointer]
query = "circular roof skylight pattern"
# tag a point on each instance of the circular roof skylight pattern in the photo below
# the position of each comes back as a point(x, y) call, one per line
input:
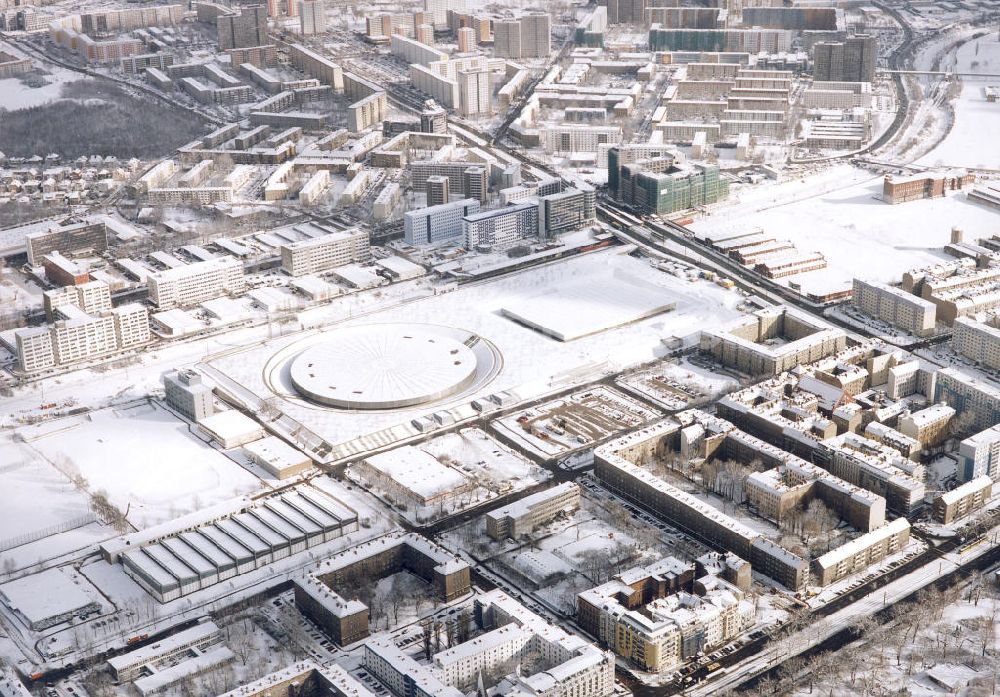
point(383, 367)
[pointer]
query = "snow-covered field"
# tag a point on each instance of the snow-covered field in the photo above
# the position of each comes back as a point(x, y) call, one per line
point(839, 213)
point(146, 460)
point(968, 145)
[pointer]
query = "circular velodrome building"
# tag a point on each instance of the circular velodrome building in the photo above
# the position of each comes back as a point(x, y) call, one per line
point(384, 366)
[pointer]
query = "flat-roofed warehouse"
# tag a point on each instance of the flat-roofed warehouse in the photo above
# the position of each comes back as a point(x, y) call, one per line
point(277, 457)
point(270, 529)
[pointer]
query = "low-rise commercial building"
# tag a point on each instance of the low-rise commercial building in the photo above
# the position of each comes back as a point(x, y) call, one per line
point(522, 517)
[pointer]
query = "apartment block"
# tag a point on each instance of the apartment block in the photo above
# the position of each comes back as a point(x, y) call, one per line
point(979, 455)
point(500, 228)
point(346, 620)
point(437, 223)
point(194, 283)
point(748, 345)
point(317, 66)
point(963, 500)
point(894, 306)
point(851, 60)
point(862, 552)
point(977, 341)
point(248, 27)
point(326, 252)
point(312, 17)
point(929, 426)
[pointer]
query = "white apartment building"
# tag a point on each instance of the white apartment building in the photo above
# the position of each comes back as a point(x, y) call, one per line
point(131, 325)
point(440, 87)
point(320, 254)
point(83, 337)
point(413, 51)
point(573, 138)
point(195, 283)
point(980, 455)
point(903, 310)
point(475, 90)
point(436, 223)
point(312, 17)
point(977, 341)
point(500, 228)
point(438, 10)
point(34, 349)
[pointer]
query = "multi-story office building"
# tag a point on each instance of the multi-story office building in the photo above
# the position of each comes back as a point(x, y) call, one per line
point(194, 283)
point(186, 392)
point(248, 27)
point(671, 189)
point(522, 517)
point(979, 455)
point(851, 60)
point(894, 306)
point(567, 210)
point(312, 17)
point(968, 395)
point(437, 223)
point(500, 228)
point(327, 252)
point(963, 500)
point(437, 190)
point(977, 341)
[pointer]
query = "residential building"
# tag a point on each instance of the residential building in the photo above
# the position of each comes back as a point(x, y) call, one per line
point(963, 500)
point(894, 306)
point(861, 552)
point(346, 620)
point(326, 252)
point(194, 283)
point(475, 92)
point(436, 223)
point(70, 240)
point(912, 187)
point(312, 17)
point(748, 344)
point(500, 228)
point(977, 341)
point(975, 399)
point(851, 60)
point(475, 183)
point(247, 27)
point(980, 455)
point(930, 426)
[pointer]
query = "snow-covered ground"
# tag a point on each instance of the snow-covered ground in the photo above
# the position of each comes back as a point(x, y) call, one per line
point(840, 214)
point(968, 145)
point(147, 461)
